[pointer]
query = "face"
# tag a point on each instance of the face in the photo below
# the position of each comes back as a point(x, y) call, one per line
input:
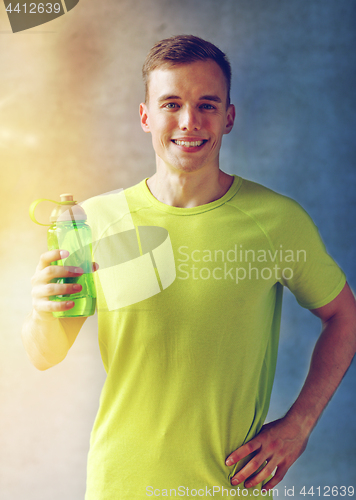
point(187, 116)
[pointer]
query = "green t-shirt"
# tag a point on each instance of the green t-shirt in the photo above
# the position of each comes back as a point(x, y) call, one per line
point(189, 316)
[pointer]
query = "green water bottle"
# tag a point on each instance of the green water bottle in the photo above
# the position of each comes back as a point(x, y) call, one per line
point(69, 231)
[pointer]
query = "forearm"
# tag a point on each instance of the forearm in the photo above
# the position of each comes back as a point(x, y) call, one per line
point(45, 340)
point(331, 358)
point(279, 444)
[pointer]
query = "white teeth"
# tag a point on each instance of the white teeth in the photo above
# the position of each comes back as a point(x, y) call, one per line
point(189, 144)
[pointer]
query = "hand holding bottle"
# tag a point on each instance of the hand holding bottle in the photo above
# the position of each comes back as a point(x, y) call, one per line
point(47, 338)
point(63, 291)
point(43, 287)
point(68, 230)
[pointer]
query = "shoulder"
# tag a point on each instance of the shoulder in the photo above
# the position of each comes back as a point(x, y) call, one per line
point(282, 219)
point(112, 200)
point(113, 209)
point(266, 205)
point(253, 192)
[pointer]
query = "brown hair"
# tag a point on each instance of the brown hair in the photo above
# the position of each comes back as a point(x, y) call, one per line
point(182, 49)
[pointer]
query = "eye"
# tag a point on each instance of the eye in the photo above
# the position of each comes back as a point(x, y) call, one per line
point(207, 106)
point(170, 105)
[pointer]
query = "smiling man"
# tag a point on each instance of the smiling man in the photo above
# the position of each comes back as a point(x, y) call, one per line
point(190, 370)
point(187, 111)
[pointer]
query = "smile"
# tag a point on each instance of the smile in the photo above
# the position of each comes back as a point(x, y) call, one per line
point(189, 144)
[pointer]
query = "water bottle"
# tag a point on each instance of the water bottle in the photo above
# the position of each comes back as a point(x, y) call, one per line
point(69, 231)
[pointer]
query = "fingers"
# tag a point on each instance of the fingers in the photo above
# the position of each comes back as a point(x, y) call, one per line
point(51, 256)
point(44, 308)
point(277, 478)
point(50, 273)
point(252, 466)
point(260, 466)
point(44, 283)
point(43, 286)
point(256, 461)
point(252, 479)
point(41, 296)
point(243, 452)
point(47, 258)
point(277, 446)
point(55, 289)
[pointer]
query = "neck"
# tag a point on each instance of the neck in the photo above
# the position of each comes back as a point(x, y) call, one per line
point(189, 189)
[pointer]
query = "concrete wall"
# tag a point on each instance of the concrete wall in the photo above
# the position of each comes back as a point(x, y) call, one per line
point(69, 96)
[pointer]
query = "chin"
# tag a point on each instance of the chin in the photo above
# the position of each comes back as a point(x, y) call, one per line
point(188, 168)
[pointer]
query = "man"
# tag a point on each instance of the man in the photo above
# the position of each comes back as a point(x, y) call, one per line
point(190, 369)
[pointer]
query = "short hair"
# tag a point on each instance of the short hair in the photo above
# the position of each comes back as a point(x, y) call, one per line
point(182, 49)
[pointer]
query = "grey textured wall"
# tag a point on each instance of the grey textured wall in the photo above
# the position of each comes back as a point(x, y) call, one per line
point(69, 96)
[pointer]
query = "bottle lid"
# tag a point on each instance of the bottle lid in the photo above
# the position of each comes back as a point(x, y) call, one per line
point(66, 210)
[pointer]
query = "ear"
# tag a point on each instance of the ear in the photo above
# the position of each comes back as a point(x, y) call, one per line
point(144, 117)
point(230, 118)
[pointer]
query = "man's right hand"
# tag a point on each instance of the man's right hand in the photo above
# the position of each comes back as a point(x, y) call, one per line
point(42, 288)
point(46, 338)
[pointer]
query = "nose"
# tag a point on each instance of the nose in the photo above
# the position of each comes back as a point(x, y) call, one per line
point(189, 119)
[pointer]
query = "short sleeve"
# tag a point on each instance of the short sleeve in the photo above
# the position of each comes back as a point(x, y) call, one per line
point(309, 271)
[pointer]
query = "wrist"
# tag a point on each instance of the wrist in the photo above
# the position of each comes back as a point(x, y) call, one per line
point(303, 418)
point(44, 339)
point(42, 316)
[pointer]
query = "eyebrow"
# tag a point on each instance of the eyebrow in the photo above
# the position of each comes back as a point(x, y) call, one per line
point(167, 97)
point(214, 98)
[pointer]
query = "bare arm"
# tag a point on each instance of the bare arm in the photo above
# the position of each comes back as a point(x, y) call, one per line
point(331, 358)
point(47, 339)
point(280, 443)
